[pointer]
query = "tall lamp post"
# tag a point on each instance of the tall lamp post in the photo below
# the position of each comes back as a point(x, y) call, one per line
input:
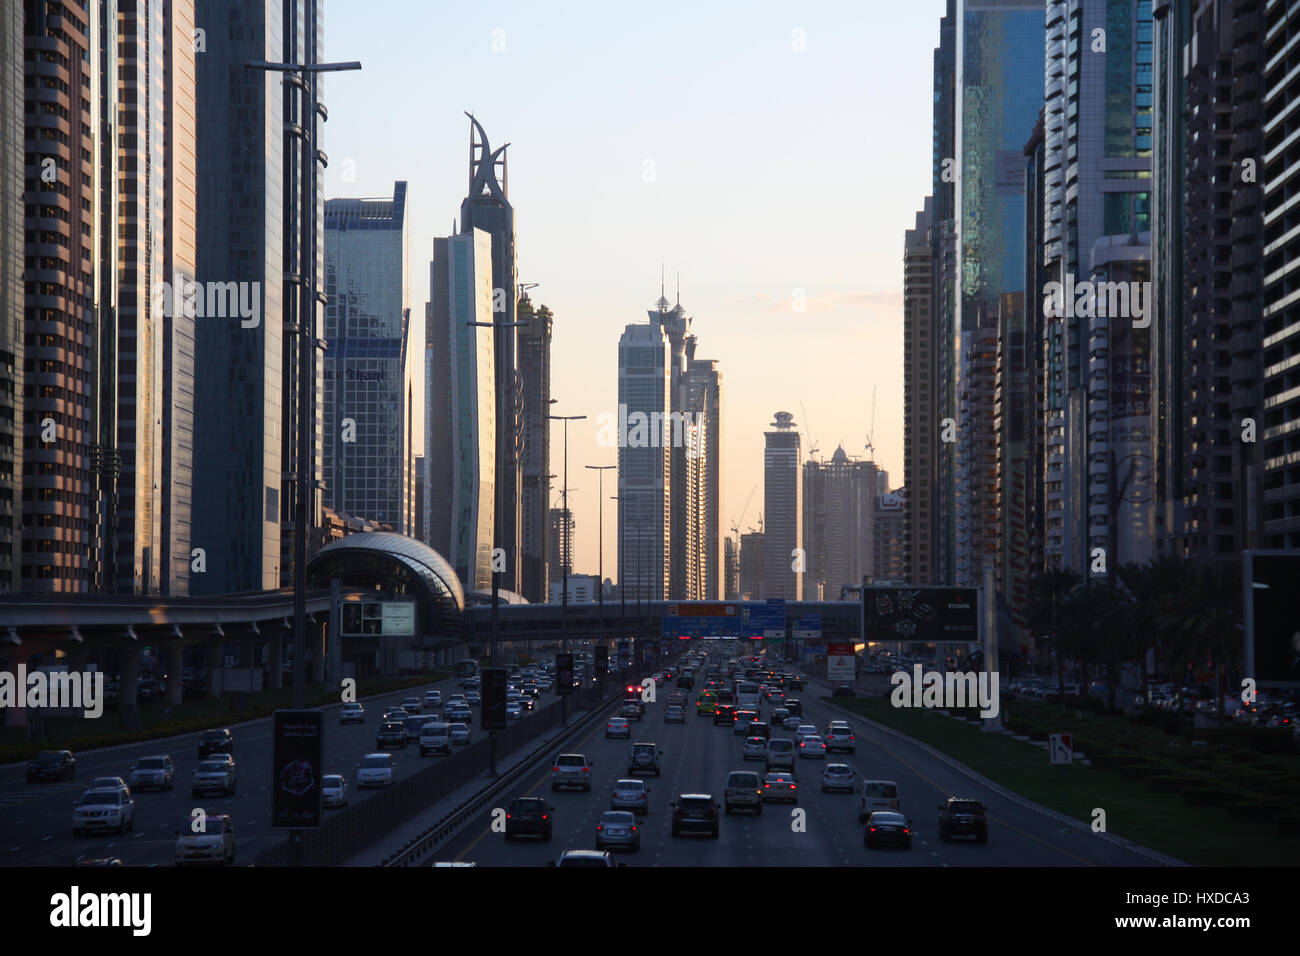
point(306, 79)
point(502, 451)
point(600, 532)
point(567, 558)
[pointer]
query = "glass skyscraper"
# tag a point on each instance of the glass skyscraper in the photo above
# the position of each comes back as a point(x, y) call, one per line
point(367, 434)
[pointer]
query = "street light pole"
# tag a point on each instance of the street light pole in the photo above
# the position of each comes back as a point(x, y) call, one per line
point(567, 557)
point(306, 439)
point(600, 532)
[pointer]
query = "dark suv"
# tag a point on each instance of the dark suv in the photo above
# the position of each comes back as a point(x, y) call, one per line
point(695, 813)
point(959, 816)
point(529, 816)
point(52, 765)
point(390, 734)
point(216, 742)
point(724, 715)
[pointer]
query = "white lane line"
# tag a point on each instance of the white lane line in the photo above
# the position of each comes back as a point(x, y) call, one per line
point(50, 837)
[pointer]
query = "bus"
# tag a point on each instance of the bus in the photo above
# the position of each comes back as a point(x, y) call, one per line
point(466, 669)
point(747, 696)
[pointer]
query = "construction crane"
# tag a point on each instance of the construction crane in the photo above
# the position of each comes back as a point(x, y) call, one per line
point(871, 449)
point(735, 528)
point(812, 443)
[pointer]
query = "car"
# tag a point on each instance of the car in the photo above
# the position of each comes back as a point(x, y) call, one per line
point(459, 734)
point(961, 816)
point(584, 858)
point(376, 770)
point(812, 746)
point(153, 772)
point(677, 698)
point(760, 728)
point(793, 722)
point(107, 783)
point(391, 733)
point(804, 730)
point(397, 714)
point(514, 711)
point(52, 765)
point(216, 742)
point(878, 795)
point(630, 794)
point(213, 775)
point(458, 712)
point(743, 792)
point(224, 759)
point(352, 714)
point(839, 736)
point(780, 754)
point(529, 816)
point(695, 813)
point(706, 703)
point(843, 690)
point(571, 770)
point(780, 786)
point(333, 790)
point(413, 725)
point(887, 828)
point(644, 758)
point(433, 699)
point(743, 719)
point(674, 714)
point(779, 716)
point(838, 776)
point(411, 705)
point(755, 748)
point(724, 715)
point(685, 682)
point(435, 738)
point(617, 727)
point(470, 683)
point(618, 828)
point(213, 843)
point(105, 808)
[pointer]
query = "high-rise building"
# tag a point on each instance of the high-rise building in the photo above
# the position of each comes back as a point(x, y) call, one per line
point(839, 503)
point(921, 429)
point(11, 295)
point(645, 460)
point(368, 381)
point(421, 511)
point(535, 374)
point(1024, 520)
point(1279, 421)
point(250, 233)
point(487, 207)
point(783, 557)
point(887, 560)
point(460, 407)
point(751, 566)
point(561, 557)
point(702, 400)
point(731, 566)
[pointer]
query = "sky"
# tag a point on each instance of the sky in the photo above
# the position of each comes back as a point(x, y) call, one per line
point(772, 154)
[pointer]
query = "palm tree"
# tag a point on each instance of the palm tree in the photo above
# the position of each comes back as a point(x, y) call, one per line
point(1047, 594)
point(1147, 588)
point(1204, 619)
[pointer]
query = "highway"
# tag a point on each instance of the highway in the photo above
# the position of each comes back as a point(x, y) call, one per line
point(36, 818)
point(697, 757)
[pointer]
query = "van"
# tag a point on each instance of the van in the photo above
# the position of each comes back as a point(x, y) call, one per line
point(435, 738)
point(780, 754)
point(878, 795)
point(744, 792)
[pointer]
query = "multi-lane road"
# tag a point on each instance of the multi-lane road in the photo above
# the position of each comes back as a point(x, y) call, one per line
point(697, 757)
point(36, 818)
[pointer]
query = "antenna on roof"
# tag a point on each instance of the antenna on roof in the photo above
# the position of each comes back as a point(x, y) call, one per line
point(679, 288)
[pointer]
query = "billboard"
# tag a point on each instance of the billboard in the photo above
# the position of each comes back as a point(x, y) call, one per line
point(1272, 627)
point(840, 662)
point(373, 618)
point(297, 755)
point(494, 698)
point(929, 614)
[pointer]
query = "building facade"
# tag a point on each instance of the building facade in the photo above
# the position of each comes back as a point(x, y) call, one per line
point(12, 351)
point(784, 559)
point(839, 504)
point(645, 460)
point(535, 375)
point(920, 403)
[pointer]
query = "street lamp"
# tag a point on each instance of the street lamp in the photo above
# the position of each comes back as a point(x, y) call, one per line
point(502, 452)
point(306, 74)
point(564, 588)
point(622, 554)
point(600, 532)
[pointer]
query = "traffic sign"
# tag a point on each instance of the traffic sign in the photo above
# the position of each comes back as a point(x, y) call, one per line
point(1061, 748)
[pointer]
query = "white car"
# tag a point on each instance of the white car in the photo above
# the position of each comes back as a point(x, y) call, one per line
point(352, 714)
point(755, 748)
point(433, 699)
point(459, 734)
point(411, 705)
point(333, 790)
point(375, 770)
point(212, 775)
point(106, 809)
point(804, 730)
point(793, 722)
point(215, 843)
point(838, 776)
point(812, 746)
point(674, 714)
point(515, 712)
point(617, 727)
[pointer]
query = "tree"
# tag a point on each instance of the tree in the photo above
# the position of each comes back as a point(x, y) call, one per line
point(1047, 594)
point(1204, 619)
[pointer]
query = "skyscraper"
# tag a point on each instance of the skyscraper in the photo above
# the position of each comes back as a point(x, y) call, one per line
point(460, 407)
point(487, 207)
point(783, 558)
point(367, 440)
point(839, 502)
point(561, 557)
point(535, 374)
point(751, 566)
point(920, 405)
point(11, 297)
point(645, 460)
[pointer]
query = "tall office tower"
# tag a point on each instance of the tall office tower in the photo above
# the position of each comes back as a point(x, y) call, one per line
point(751, 567)
point(887, 539)
point(421, 512)
point(920, 405)
point(645, 460)
point(11, 296)
point(783, 545)
point(996, 101)
point(70, 462)
point(155, 254)
point(943, 290)
point(1096, 181)
point(250, 233)
point(731, 569)
point(1279, 398)
point(702, 401)
point(1035, 491)
point(1013, 418)
point(368, 414)
point(460, 407)
point(535, 374)
point(1223, 267)
point(561, 556)
point(487, 207)
point(839, 503)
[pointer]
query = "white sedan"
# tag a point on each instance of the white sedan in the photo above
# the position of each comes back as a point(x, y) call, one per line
point(459, 734)
point(617, 727)
point(804, 730)
point(333, 790)
point(375, 770)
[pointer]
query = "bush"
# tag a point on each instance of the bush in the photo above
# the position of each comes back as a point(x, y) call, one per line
point(1168, 782)
point(1037, 734)
point(1208, 797)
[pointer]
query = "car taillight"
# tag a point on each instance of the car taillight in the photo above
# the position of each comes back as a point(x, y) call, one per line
point(555, 769)
point(586, 770)
point(599, 827)
point(634, 829)
point(906, 830)
point(510, 816)
point(544, 816)
point(767, 786)
point(873, 829)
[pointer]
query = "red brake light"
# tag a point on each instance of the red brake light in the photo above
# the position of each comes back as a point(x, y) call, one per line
point(873, 829)
point(544, 817)
point(555, 768)
point(906, 830)
point(767, 786)
point(634, 829)
point(509, 816)
point(599, 827)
